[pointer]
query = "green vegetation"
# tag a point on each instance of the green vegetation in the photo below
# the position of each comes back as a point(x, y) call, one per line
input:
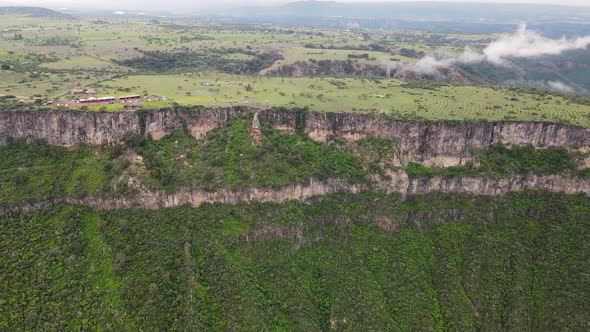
point(228, 159)
point(89, 63)
point(391, 98)
point(376, 155)
point(500, 161)
point(211, 60)
point(37, 171)
point(216, 64)
point(364, 262)
point(342, 262)
point(225, 159)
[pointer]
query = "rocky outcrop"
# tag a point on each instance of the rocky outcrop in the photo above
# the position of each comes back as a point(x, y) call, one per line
point(399, 183)
point(430, 143)
point(451, 74)
point(100, 128)
point(162, 199)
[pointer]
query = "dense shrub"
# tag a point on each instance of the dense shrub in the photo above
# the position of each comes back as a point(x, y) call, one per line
point(227, 158)
point(358, 262)
point(500, 161)
point(212, 59)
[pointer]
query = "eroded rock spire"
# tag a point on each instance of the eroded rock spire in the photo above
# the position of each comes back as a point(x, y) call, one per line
point(255, 131)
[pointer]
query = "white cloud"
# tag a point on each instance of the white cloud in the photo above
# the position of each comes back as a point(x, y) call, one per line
point(527, 44)
point(521, 44)
point(560, 87)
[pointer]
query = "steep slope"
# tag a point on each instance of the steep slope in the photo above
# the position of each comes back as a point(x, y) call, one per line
point(342, 262)
point(444, 143)
point(231, 164)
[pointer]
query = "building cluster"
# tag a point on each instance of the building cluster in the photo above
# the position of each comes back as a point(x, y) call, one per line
point(108, 99)
point(132, 100)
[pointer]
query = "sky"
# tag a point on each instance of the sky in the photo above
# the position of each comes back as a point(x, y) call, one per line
point(203, 4)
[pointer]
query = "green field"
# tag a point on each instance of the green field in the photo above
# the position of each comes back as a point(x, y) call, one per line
point(388, 97)
point(294, 54)
point(82, 62)
point(55, 56)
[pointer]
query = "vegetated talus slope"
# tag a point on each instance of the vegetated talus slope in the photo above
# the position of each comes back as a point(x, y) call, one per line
point(344, 262)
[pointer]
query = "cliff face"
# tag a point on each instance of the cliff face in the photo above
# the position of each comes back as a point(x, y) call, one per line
point(99, 128)
point(399, 183)
point(162, 199)
point(445, 143)
point(68, 128)
point(431, 143)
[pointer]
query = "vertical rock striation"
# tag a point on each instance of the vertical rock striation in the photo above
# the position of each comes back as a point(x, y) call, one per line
point(431, 143)
point(399, 183)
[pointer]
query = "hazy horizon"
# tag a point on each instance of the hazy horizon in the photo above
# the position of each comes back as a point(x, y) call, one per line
point(176, 5)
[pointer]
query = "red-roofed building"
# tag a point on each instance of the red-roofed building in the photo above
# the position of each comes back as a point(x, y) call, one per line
point(129, 97)
point(97, 100)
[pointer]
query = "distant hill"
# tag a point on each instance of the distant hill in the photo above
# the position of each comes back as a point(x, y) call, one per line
point(33, 12)
point(425, 11)
point(438, 16)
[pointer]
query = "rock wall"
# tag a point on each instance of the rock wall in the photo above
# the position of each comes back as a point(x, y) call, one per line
point(486, 186)
point(445, 143)
point(162, 199)
point(400, 183)
point(431, 143)
point(326, 68)
point(68, 128)
point(440, 143)
point(100, 128)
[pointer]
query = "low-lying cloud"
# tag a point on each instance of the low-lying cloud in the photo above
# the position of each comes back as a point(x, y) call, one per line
point(521, 44)
point(527, 44)
point(560, 87)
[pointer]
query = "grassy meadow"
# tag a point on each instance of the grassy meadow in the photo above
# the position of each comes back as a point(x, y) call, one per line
point(55, 55)
point(390, 97)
